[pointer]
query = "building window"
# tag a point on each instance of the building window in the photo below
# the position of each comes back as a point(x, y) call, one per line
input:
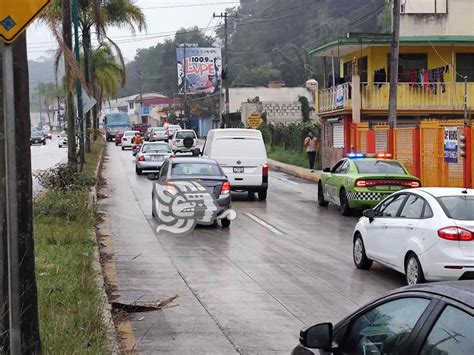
point(130, 105)
point(465, 66)
point(409, 66)
point(338, 135)
point(348, 72)
point(362, 64)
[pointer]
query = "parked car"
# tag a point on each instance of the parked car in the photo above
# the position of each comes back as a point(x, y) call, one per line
point(158, 134)
point(151, 156)
point(171, 129)
point(424, 233)
point(47, 134)
point(62, 139)
point(185, 141)
point(118, 137)
point(362, 181)
point(127, 139)
point(37, 137)
point(428, 319)
point(242, 155)
point(206, 172)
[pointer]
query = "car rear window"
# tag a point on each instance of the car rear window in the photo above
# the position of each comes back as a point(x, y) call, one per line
point(458, 207)
point(379, 167)
point(207, 169)
point(156, 148)
point(159, 129)
point(238, 147)
point(182, 135)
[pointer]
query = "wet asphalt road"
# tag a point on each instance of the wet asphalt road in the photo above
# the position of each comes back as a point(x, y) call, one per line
point(46, 156)
point(283, 264)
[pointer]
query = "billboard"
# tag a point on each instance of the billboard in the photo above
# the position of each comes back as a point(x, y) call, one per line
point(203, 68)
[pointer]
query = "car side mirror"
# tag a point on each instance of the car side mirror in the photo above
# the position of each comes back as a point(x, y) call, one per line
point(317, 336)
point(153, 176)
point(370, 214)
point(327, 170)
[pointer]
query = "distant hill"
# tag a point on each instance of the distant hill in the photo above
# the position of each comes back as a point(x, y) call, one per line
point(42, 71)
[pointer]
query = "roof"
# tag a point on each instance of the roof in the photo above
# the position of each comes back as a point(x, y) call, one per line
point(195, 160)
point(446, 191)
point(344, 46)
point(462, 291)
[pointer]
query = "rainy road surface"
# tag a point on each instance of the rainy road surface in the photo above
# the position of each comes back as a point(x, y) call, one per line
point(283, 264)
point(46, 156)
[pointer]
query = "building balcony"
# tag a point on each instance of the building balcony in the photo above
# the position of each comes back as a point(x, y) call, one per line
point(415, 97)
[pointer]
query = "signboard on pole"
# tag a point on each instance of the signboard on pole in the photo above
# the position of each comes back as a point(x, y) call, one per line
point(16, 15)
point(254, 120)
point(451, 144)
point(202, 67)
point(87, 102)
point(340, 96)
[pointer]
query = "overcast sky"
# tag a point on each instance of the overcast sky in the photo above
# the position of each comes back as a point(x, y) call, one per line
point(163, 18)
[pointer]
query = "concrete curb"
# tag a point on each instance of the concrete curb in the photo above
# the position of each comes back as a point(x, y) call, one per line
point(106, 308)
point(294, 170)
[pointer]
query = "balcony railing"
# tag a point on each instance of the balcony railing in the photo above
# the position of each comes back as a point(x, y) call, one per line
point(335, 98)
point(410, 96)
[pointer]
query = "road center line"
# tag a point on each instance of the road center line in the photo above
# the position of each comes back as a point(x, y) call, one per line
point(263, 224)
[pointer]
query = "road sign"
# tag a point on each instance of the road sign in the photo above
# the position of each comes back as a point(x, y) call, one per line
point(87, 102)
point(16, 15)
point(254, 120)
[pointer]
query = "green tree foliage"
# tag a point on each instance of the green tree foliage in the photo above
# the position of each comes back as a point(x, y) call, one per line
point(384, 19)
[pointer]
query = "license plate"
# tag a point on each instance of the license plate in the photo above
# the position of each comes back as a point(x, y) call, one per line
point(156, 157)
point(238, 170)
point(36, 142)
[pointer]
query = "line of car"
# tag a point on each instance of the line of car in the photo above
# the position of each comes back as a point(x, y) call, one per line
point(39, 136)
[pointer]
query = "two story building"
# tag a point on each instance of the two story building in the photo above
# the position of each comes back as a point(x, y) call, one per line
point(435, 84)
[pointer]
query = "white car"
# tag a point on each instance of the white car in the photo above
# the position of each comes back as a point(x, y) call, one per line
point(424, 233)
point(127, 139)
point(185, 141)
point(242, 155)
point(62, 139)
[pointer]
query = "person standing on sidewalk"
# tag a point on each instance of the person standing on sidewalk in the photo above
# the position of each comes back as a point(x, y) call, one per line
point(311, 143)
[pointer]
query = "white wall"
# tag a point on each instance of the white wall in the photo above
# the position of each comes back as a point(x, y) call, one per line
point(239, 95)
point(420, 20)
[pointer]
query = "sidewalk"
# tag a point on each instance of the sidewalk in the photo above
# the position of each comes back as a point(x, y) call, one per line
point(295, 170)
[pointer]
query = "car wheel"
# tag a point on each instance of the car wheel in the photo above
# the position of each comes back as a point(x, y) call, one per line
point(262, 195)
point(116, 143)
point(44, 142)
point(60, 146)
point(123, 148)
point(413, 270)
point(359, 256)
point(196, 152)
point(344, 203)
point(138, 171)
point(321, 201)
point(225, 223)
point(153, 213)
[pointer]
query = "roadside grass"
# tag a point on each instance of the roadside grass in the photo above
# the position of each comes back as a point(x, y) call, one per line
point(290, 157)
point(70, 305)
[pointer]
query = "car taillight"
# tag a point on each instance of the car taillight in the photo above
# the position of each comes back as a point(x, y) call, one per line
point(225, 189)
point(141, 158)
point(265, 169)
point(415, 184)
point(456, 233)
point(170, 187)
point(361, 183)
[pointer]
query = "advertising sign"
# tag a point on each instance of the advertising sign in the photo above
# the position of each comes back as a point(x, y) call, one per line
point(254, 120)
point(203, 70)
point(340, 96)
point(451, 144)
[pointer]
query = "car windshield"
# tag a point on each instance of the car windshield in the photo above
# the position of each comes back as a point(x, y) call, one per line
point(379, 167)
point(458, 207)
point(185, 134)
point(159, 129)
point(37, 134)
point(156, 148)
point(207, 169)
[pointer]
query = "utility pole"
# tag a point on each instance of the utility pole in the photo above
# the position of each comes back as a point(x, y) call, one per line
point(39, 103)
point(224, 61)
point(185, 84)
point(395, 44)
point(75, 18)
point(71, 124)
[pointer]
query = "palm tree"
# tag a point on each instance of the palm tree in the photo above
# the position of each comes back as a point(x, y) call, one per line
point(103, 14)
point(108, 75)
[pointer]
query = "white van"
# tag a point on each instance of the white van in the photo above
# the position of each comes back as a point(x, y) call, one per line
point(242, 155)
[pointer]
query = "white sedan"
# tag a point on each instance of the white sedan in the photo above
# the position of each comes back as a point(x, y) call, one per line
point(424, 233)
point(127, 139)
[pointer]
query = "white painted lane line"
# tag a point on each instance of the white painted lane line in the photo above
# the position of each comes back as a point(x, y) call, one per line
point(263, 224)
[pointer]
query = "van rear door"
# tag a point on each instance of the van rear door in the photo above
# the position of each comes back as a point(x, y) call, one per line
point(241, 158)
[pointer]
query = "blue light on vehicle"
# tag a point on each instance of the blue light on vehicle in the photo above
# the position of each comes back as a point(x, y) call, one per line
point(355, 155)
